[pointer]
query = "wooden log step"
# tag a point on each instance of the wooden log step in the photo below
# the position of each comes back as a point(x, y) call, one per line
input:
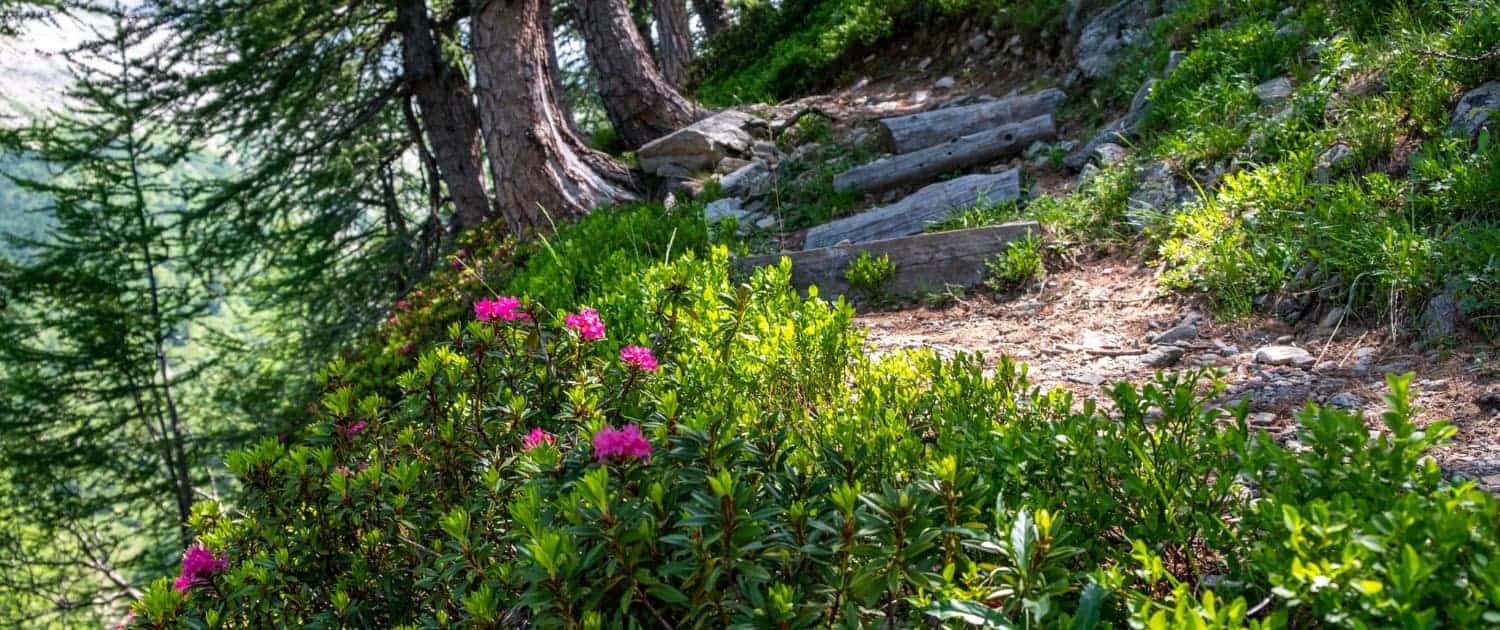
point(916, 211)
point(924, 262)
point(923, 165)
point(904, 134)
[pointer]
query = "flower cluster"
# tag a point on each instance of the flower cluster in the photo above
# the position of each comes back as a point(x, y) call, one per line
point(625, 444)
point(197, 565)
point(506, 308)
point(350, 430)
point(587, 323)
point(536, 438)
point(638, 357)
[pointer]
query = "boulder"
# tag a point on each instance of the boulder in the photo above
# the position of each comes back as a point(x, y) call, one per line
point(1273, 91)
point(1109, 154)
point(723, 209)
point(1107, 34)
point(1285, 355)
point(945, 83)
point(1477, 111)
point(1332, 161)
point(1442, 316)
point(1157, 193)
point(701, 145)
point(748, 182)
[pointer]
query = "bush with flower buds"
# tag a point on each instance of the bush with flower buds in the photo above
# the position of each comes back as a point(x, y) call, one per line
point(729, 456)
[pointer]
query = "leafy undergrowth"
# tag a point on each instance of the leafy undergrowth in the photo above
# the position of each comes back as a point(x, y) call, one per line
point(662, 442)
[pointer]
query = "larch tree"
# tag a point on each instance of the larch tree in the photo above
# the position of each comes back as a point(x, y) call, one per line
point(547, 171)
point(447, 111)
point(102, 459)
point(713, 15)
point(641, 104)
point(674, 40)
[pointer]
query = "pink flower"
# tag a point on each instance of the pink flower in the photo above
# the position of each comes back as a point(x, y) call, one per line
point(638, 357)
point(197, 565)
point(417, 293)
point(536, 438)
point(393, 321)
point(617, 446)
point(402, 305)
point(406, 349)
point(587, 323)
point(343, 470)
point(506, 308)
point(354, 428)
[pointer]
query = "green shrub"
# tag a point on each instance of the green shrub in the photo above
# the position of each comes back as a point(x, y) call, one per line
point(1019, 265)
point(870, 275)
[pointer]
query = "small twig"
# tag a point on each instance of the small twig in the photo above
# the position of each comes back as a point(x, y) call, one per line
point(777, 130)
point(1494, 53)
point(403, 538)
point(1106, 352)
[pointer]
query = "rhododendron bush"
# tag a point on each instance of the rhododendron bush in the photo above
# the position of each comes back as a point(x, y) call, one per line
point(727, 455)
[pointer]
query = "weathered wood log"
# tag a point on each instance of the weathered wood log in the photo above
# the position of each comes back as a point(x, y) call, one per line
point(904, 134)
point(975, 148)
point(916, 211)
point(923, 262)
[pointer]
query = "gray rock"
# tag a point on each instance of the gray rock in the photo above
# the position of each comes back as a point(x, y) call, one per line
point(765, 151)
point(1162, 357)
point(1035, 149)
point(1331, 318)
point(804, 152)
point(918, 97)
point(1345, 400)
point(978, 42)
point(723, 209)
point(1156, 195)
point(701, 145)
point(749, 181)
point(1333, 160)
point(729, 165)
point(1141, 99)
point(1109, 154)
point(1274, 91)
point(945, 83)
point(1177, 334)
point(1285, 355)
point(1088, 172)
point(1489, 400)
point(1477, 111)
point(1442, 316)
point(1107, 34)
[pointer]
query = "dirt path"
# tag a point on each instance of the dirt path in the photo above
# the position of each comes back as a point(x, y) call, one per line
point(1095, 324)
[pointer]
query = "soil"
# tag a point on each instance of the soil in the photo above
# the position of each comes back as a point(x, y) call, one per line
point(1089, 326)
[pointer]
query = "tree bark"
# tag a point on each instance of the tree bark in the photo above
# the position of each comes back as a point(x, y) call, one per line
point(674, 40)
point(448, 115)
point(712, 14)
point(641, 104)
point(542, 171)
point(913, 213)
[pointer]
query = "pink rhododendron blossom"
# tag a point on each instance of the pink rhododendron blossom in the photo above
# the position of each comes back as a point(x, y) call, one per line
point(402, 305)
point(343, 470)
point(638, 357)
point(354, 428)
point(506, 308)
point(393, 321)
point(587, 323)
point(617, 446)
point(197, 565)
point(408, 348)
point(536, 438)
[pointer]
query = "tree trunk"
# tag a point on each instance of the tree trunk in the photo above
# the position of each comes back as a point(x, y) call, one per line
point(712, 14)
point(674, 40)
point(542, 171)
point(554, 68)
point(641, 105)
point(447, 113)
point(958, 154)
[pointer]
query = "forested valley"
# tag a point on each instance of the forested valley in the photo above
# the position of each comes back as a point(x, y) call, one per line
point(749, 313)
